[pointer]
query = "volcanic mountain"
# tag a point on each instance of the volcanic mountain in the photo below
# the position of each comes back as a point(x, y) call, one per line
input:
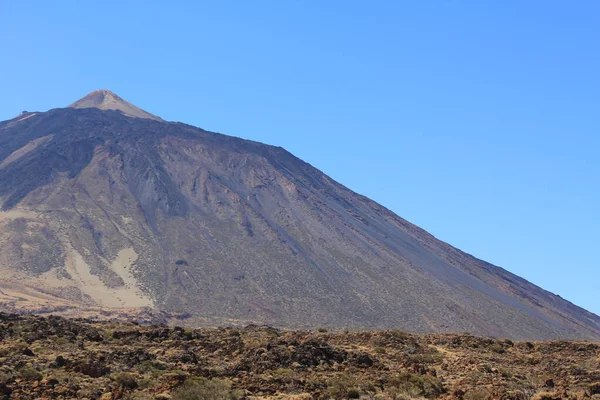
point(107, 209)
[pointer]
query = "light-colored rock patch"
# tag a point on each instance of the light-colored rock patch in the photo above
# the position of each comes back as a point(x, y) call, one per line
point(128, 295)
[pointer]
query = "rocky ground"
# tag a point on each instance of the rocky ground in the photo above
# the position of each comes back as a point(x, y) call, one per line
point(54, 357)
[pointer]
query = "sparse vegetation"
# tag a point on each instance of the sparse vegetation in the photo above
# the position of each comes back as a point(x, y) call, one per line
point(126, 380)
point(478, 393)
point(205, 389)
point(82, 359)
point(497, 348)
point(427, 358)
point(30, 374)
point(5, 378)
point(546, 396)
point(414, 385)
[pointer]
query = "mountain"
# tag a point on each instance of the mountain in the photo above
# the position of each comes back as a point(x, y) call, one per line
point(109, 209)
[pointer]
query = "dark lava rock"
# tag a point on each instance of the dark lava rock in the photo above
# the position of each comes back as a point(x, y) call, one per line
point(5, 390)
point(92, 369)
point(27, 352)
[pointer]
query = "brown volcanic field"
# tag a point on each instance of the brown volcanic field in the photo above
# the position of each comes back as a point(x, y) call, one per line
point(58, 358)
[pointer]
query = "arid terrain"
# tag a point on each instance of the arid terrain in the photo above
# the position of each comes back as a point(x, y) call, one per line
point(108, 210)
point(53, 357)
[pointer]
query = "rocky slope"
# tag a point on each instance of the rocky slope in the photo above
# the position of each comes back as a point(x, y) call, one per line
point(107, 207)
point(60, 358)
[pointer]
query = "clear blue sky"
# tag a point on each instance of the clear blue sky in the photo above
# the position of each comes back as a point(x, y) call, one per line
point(477, 120)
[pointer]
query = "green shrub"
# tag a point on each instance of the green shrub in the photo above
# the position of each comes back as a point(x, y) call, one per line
point(285, 375)
point(146, 383)
point(414, 385)
point(427, 358)
point(154, 368)
point(497, 348)
point(126, 380)
point(20, 346)
point(30, 374)
point(342, 386)
point(205, 389)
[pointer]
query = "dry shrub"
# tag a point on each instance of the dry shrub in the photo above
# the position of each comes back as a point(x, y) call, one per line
point(30, 374)
point(412, 385)
point(546, 396)
point(126, 380)
point(478, 394)
point(343, 386)
point(205, 389)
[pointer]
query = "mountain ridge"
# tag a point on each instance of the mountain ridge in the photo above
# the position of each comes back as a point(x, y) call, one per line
point(106, 211)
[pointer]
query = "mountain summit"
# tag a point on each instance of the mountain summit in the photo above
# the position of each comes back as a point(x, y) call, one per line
point(106, 213)
point(107, 100)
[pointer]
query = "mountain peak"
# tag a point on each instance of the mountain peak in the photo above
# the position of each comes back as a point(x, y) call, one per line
point(107, 100)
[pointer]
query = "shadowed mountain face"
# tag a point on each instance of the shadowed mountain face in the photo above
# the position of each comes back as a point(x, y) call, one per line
point(104, 209)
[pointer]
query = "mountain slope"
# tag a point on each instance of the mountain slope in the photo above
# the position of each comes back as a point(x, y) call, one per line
point(104, 210)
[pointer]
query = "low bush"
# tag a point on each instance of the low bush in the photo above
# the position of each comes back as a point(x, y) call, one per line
point(205, 389)
point(546, 396)
point(5, 378)
point(478, 394)
point(428, 358)
point(153, 368)
point(30, 374)
point(497, 348)
point(343, 386)
point(126, 380)
point(414, 385)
